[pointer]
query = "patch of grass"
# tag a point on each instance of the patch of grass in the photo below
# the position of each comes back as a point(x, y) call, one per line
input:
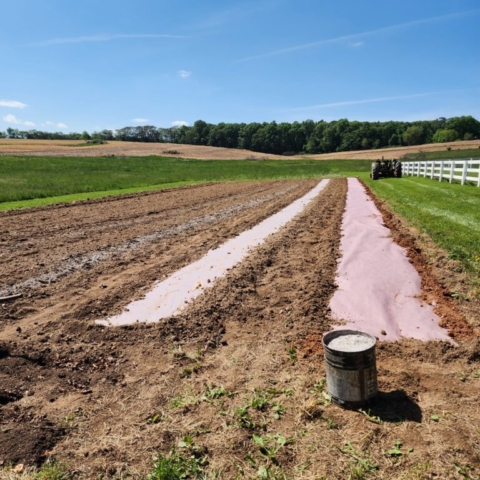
point(360, 463)
point(448, 213)
point(52, 470)
point(26, 178)
point(180, 465)
point(184, 400)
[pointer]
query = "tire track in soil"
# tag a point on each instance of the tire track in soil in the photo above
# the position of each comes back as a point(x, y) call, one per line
point(277, 297)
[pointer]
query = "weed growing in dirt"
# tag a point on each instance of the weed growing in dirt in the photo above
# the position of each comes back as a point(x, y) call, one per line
point(292, 353)
point(360, 464)
point(187, 462)
point(213, 392)
point(269, 445)
point(370, 417)
point(184, 400)
point(52, 470)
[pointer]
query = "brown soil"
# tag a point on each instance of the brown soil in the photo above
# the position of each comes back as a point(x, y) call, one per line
point(67, 148)
point(106, 401)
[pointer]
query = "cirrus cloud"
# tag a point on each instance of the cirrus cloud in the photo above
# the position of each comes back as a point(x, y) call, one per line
point(12, 104)
point(184, 73)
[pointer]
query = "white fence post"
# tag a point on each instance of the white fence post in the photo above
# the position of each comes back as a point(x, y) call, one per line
point(464, 172)
point(452, 171)
point(433, 170)
point(442, 164)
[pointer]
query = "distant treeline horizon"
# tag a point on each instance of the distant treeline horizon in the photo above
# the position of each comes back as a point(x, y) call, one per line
point(284, 138)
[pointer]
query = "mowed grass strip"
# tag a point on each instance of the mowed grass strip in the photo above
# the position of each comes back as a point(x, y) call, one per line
point(448, 213)
point(28, 178)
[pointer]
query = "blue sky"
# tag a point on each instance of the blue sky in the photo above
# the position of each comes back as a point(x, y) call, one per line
point(74, 66)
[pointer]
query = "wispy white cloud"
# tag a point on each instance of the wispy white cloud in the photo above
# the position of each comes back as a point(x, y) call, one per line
point(357, 44)
point(99, 38)
point(12, 104)
point(60, 125)
point(12, 119)
point(357, 36)
point(184, 73)
point(140, 120)
point(179, 123)
point(361, 102)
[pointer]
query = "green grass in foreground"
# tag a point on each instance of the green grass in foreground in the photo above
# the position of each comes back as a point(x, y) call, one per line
point(448, 213)
point(33, 178)
point(444, 155)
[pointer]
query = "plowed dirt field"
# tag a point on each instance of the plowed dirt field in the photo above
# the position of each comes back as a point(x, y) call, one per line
point(237, 378)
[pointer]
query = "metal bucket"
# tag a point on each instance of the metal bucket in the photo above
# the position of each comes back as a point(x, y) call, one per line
point(351, 367)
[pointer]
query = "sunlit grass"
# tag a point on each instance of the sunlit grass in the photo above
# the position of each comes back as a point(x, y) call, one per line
point(448, 213)
point(28, 178)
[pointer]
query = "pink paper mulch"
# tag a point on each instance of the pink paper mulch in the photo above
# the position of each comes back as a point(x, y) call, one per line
point(378, 287)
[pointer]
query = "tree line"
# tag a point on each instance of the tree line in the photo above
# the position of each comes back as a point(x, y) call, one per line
point(286, 138)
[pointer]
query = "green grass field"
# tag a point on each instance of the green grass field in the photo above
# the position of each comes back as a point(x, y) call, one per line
point(448, 213)
point(38, 179)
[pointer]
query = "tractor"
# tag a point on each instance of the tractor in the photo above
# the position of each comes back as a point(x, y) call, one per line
point(386, 168)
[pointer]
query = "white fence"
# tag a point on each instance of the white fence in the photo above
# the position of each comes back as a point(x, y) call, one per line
point(463, 170)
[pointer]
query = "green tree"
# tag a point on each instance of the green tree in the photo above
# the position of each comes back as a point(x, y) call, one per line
point(85, 135)
point(414, 135)
point(444, 135)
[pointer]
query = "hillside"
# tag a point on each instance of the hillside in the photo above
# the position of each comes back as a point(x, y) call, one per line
point(69, 148)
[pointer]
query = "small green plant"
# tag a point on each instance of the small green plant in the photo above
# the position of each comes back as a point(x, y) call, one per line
point(278, 411)
point(319, 390)
point(370, 417)
point(464, 470)
point(259, 402)
point(292, 353)
point(154, 419)
point(184, 400)
point(435, 417)
point(244, 419)
point(213, 392)
point(396, 450)
point(179, 465)
point(331, 425)
point(361, 464)
point(269, 445)
point(52, 470)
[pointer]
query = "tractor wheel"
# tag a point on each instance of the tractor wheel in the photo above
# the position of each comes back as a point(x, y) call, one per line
point(397, 170)
point(375, 171)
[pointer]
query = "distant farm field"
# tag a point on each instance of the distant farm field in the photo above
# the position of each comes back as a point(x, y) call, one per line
point(71, 148)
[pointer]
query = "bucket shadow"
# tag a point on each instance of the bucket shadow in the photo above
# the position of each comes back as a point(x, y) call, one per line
point(395, 406)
